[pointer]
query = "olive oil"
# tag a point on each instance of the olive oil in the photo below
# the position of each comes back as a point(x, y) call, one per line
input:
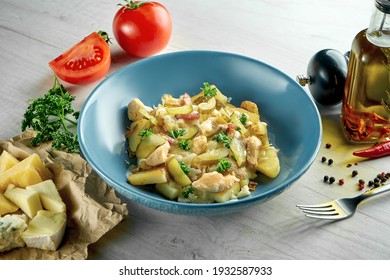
point(366, 104)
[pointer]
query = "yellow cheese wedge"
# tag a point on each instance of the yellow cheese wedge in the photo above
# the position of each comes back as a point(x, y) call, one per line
point(49, 196)
point(29, 171)
point(46, 230)
point(27, 200)
point(7, 161)
point(6, 206)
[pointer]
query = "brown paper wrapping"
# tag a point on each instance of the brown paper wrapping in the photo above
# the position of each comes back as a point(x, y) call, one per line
point(92, 207)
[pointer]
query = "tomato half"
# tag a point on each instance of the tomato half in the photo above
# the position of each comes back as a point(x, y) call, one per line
point(85, 62)
point(142, 28)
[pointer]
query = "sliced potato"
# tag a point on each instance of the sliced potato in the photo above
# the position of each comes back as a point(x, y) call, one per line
point(212, 156)
point(149, 144)
point(169, 189)
point(235, 119)
point(182, 110)
point(239, 151)
point(190, 133)
point(147, 177)
point(177, 174)
point(225, 195)
point(133, 133)
point(219, 96)
point(258, 128)
point(268, 162)
point(251, 116)
point(207, 107)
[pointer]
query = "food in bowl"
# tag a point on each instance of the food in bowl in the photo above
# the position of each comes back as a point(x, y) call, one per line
point(199, 149)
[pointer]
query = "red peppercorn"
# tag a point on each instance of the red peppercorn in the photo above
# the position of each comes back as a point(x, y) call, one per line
point(328, 145)
point(361, 186)
point(341, 182)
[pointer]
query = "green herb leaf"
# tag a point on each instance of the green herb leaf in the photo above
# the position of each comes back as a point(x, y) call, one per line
point(223, 138)
point(187, 191)
point(223, 165)
point(243, 119)
point(176, 133)
point(54, 119)
point(145, 133)
point(208, 91)
point(184, 167)
point(184, 145)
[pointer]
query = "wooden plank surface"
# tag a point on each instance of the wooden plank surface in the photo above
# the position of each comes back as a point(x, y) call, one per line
point(284, 34)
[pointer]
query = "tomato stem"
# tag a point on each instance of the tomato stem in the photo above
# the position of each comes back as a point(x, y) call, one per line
point(132, 5)
point(105, 36)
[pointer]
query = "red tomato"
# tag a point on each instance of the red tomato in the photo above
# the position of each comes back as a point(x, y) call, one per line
point(142, 28)
point(85, 62)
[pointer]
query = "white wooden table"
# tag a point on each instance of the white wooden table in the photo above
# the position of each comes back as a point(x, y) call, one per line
point(282, 33)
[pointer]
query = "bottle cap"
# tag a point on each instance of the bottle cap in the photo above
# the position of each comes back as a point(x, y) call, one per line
point(383, 6)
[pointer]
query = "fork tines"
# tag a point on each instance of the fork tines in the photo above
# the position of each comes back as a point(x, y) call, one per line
point(320, 211)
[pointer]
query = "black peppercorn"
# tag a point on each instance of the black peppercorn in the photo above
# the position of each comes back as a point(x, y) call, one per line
point(326, 178)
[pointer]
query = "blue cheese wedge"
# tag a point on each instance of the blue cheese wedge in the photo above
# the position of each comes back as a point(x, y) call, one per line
point(12, 227)
point(46, 230)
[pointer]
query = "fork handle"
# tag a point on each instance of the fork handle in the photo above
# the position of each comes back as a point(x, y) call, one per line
point(376, 191)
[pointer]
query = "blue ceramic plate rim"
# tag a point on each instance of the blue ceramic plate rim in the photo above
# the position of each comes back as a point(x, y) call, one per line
point(180, 207)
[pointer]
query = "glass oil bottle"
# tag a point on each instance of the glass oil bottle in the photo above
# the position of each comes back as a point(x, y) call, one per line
point(366, 103)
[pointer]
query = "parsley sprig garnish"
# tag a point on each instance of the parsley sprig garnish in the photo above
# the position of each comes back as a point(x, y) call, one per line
point(53, 117)
point(223, 165)
point(184, 167)
point(243, 119)
point(208, 91)
point(223, 138)
point(145, 133)
point(188, 191)
point(175, 133)
point(184, 145)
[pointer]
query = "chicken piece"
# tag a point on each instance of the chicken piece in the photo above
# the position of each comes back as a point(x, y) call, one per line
point(159, 155)
point(235, 170)
point(133, 109)
point(199, 144)
point(209, 126)
point(253, 145)
point(214, 182)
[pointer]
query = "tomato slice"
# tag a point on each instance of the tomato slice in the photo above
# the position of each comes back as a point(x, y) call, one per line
point(85, 62)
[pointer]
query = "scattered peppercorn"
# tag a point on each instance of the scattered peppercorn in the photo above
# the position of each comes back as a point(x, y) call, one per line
point(328, 145)
point(326, 178)
point(377, 184)
point(361, 186)
point(361, 181)
point(370, 183)
point(349, 165)
point(330, 161)
point(341, 182)
point(323, 159)
point(331, 180)
point(354, 173)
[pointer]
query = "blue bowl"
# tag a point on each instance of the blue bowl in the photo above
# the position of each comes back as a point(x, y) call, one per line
point(294, 124)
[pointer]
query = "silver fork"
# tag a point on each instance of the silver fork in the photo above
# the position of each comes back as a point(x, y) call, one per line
point(340, 208)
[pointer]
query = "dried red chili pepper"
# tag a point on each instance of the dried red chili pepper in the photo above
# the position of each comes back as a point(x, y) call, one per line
point(380, 150)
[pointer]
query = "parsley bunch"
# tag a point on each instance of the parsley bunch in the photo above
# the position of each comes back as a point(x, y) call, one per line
point(223, 138)
point(52, 116)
